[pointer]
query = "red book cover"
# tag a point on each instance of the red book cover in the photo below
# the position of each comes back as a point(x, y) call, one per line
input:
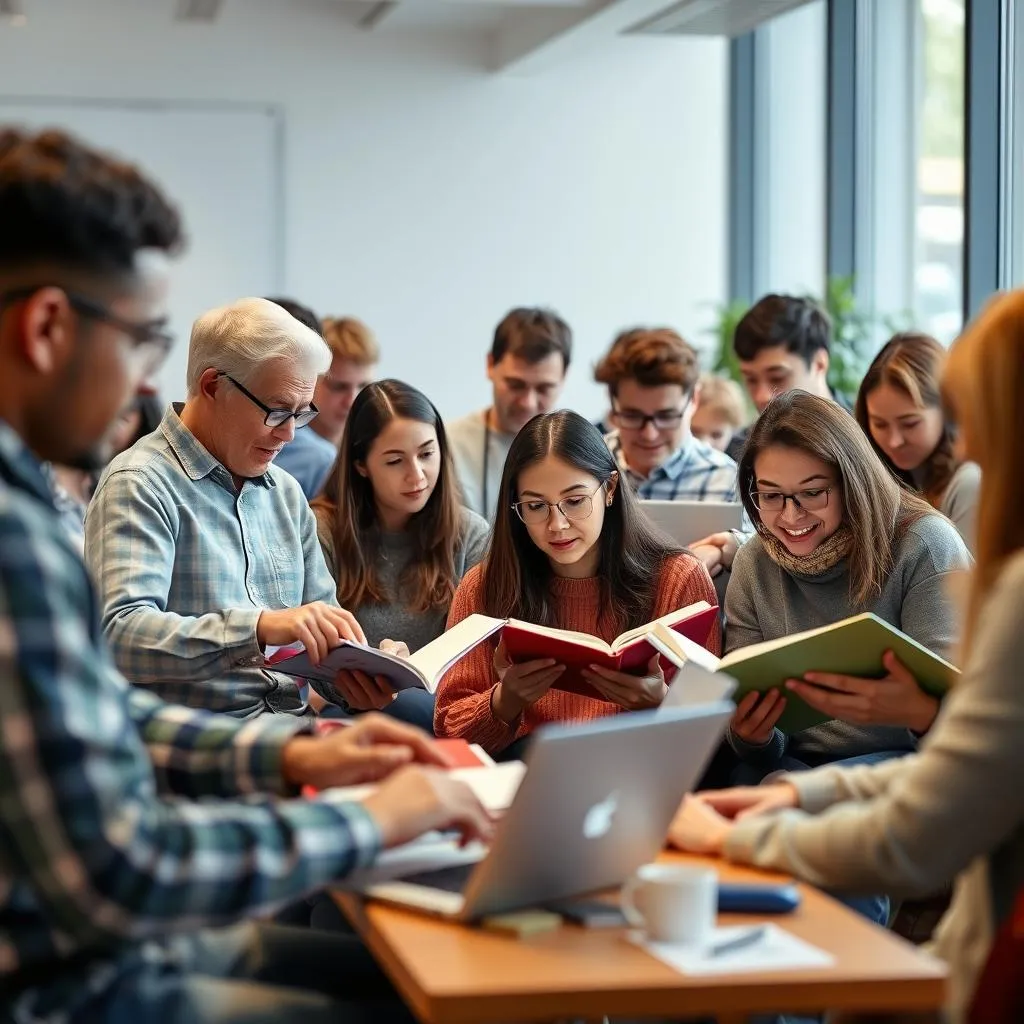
point(523, 643)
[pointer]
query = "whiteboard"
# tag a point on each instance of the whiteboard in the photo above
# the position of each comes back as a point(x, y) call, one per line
point(221, 164)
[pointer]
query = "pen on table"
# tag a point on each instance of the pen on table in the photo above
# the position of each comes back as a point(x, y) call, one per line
point(741, 941)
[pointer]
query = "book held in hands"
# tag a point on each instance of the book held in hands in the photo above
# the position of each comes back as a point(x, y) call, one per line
point(629, 652)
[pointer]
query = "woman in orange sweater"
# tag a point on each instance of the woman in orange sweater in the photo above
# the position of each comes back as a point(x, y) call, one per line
point(570, 549)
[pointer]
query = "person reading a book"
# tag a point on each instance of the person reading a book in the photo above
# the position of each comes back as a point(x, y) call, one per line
point(394, 532)
point(204, 552)
point(900, 409)
point(526, 366)
point(145, 844)
point(955, 808)
point(571, 550)
point(835, 535)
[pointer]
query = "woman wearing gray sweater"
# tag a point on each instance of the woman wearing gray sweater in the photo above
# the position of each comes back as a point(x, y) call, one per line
point(957, 806)
point(836, 535)
point(394, 532)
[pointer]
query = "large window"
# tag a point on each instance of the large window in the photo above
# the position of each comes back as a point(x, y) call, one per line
point(789, 152)
point(911, 184)
point(1014, 92)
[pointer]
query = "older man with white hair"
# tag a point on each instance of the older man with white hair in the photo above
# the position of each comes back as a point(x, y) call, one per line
point(204, 553)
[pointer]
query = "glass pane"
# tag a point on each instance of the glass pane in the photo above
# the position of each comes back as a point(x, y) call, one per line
point(790, 151)
point(910, 249)
point(939, 220)
point(1015, 97)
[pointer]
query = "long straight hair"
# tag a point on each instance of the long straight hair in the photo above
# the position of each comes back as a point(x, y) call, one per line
point(875, 507)
point(429, 580)
point(517, 575)
point(912, 364)
point(983, 386)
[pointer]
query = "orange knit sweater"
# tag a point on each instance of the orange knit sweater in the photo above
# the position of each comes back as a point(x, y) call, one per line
point(463, 705)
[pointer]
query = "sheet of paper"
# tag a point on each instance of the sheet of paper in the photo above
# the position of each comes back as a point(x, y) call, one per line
point(495, 785)
point(777, 950)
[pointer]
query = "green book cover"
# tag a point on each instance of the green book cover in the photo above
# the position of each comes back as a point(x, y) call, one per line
point(853, 647)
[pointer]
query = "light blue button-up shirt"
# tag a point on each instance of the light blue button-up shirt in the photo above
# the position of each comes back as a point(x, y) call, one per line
point(185, 563)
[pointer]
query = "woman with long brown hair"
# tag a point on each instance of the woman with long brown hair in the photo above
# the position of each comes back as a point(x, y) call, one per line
point(957, 807)
point(394, 532)
point(899, 407)
point(571, 549)
point(836, 535)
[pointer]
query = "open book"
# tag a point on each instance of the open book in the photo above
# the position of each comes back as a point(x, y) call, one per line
point(629, 652)
point(524, 641)
point(852, 647)
point(424, 669)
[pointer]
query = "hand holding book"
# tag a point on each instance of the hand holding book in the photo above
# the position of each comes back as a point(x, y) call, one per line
point(521, 684)
point(630, 691)
point(895, 699)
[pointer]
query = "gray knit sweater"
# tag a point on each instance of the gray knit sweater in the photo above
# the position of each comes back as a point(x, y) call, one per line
point(393, 620)
point(765, 602)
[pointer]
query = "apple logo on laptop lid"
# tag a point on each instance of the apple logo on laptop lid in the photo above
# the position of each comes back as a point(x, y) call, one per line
point(598, 820)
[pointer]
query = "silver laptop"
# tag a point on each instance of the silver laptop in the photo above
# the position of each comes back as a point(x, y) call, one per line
point(595, 804)
point(689, 521)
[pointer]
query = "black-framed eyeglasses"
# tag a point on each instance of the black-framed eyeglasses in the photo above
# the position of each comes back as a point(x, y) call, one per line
point(575, 507)
point(664, 419)
point(276, 417)
point(150, 334)
point(812, 500)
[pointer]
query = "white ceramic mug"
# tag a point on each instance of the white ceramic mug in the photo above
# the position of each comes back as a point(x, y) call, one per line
point(673, 903)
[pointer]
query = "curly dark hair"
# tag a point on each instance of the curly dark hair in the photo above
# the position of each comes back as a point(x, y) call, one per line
point(66, 204)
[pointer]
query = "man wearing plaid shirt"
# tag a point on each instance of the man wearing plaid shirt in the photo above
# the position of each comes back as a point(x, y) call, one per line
point(138, 837)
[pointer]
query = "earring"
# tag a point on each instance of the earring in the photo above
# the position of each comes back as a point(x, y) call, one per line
point(608, 501)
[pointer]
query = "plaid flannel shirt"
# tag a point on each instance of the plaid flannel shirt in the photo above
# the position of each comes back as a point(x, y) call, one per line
point(185, 563)
point(124, 819)
point(696, 472)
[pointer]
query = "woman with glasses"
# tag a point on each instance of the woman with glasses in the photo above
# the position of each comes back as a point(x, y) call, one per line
point(571, 550)
point(957, 807)
point(836, 536)
point(395, 534)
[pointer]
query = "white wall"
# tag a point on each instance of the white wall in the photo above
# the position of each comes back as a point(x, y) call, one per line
point(423, 193)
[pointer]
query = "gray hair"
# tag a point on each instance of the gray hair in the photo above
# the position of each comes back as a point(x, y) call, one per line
point(238, 339)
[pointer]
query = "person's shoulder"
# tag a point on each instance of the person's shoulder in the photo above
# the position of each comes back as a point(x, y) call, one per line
point(472, 526)
point(751, 558)
point(933, 541)
point(472, 424)
point(471, 586)
point(712, 456)
point(286, 487)
point(33, 541)
point(966, 480)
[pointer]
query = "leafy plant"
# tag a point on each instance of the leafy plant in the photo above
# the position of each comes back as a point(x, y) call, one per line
point(853, 336)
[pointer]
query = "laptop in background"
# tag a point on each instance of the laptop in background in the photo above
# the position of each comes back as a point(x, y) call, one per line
point(689, 521)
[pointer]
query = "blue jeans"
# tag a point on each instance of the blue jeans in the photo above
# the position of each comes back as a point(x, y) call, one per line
point(415, 707)
point(874, 908)
point(246, 974)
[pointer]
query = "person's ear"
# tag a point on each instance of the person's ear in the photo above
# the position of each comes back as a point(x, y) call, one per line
point(210, 382)
point(613, 486)
point(48, 330)
point(820, 362)
point(361, 468)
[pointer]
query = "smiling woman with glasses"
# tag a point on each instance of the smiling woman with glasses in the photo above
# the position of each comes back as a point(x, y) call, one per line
point(570, 549)
point(836, 535)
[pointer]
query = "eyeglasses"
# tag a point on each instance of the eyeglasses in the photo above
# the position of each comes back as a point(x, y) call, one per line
point(665, 419)
point(150, 335)
point(277, 417)
point(775, 501)
point(573, 508)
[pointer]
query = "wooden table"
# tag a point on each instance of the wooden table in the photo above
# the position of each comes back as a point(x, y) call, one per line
point(449, 973)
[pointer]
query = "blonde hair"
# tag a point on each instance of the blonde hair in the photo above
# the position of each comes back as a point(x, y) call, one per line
point(238, 339)
point(350, 339)
point(983, 387)
point(724, 397)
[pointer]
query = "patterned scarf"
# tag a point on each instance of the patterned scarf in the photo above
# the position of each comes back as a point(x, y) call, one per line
point(828, 554)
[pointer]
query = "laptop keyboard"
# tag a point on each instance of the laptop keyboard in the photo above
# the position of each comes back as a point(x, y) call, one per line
point(452, 879)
